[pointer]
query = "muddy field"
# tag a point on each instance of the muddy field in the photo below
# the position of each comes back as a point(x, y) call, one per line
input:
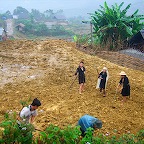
point(45, 69)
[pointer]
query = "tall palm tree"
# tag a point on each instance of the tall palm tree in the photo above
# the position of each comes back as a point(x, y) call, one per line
point(113, 25)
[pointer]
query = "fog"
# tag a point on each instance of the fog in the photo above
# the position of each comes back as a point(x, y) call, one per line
point(70, 7)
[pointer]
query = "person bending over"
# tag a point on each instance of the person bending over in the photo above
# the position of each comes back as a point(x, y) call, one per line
point(28, 114)
point(88, 121)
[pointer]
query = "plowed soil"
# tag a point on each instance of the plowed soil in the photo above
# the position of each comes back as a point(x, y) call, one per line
point(45, 69)
point(122, 59)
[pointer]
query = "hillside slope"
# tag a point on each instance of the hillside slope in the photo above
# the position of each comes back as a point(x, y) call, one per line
point(45, 69)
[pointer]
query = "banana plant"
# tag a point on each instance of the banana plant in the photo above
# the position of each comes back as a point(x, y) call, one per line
point(113, 25)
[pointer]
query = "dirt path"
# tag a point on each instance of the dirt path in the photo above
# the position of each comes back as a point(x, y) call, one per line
point(122, 59)
point(118, 58)
point(9, 27)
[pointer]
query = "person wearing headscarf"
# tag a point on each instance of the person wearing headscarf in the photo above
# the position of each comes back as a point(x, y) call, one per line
point(81, 76)
point(102, 80)
point(88, 121)
point(125, 85)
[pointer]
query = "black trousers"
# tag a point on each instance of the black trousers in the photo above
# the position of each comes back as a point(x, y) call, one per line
point(82, 133)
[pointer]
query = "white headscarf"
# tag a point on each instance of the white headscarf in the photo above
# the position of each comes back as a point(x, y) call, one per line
point(98, 81)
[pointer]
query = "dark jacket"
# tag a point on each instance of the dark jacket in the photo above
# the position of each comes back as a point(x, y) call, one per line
point(126, 86)
point(81, 74)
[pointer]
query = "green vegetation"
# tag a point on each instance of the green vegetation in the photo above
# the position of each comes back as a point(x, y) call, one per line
point(2, 23)
point(82, 40)
point(34, 22)
point(26, 102)
point(35, 14)
point(113, 26)
point(20, 10)
point(13, 134)
point(6, 15)
point(40, 29)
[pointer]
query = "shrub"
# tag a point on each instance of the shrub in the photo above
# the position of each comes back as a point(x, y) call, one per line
point(13, 134)
point(54, 134)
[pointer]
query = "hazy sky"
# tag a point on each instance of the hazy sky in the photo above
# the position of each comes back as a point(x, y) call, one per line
point(70, 7)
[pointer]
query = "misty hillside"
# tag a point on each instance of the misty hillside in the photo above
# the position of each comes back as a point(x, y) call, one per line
point(71, 8)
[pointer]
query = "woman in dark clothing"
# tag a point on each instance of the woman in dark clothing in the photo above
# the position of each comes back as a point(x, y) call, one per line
point(102, 80)
point(81, 76)
point(124, 83)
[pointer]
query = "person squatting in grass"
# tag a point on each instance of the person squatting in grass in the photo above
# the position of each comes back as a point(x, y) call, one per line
point(88, 121)
point(102, 80)
point(28, 114)
point(81, 76)
point(125, 86)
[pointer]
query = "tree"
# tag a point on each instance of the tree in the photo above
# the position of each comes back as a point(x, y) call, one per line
point(60, 12)
point(49, 14)
point(37, 15)
point(22, 13)
point(6, 15)
point(113, 26)
point(20, 10)
point(41, 30)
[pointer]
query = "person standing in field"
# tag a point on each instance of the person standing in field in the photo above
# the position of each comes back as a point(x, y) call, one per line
point(102, 80)
point(88, 121)
point(28, 114)
point(4, 35)
point(81, 76)
point(124, 85)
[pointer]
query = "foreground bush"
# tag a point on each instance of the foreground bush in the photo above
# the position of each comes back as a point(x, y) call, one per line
point(12, 134)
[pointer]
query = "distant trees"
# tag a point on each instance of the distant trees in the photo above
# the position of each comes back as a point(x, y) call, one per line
point(48, 13)
point(40, 29)
point(76, 20)
point(21, 12)
point(59, 12)
point(34, 22)
point(112, 25)
point(6, 15)
point(37, 15)
point(59, 30)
